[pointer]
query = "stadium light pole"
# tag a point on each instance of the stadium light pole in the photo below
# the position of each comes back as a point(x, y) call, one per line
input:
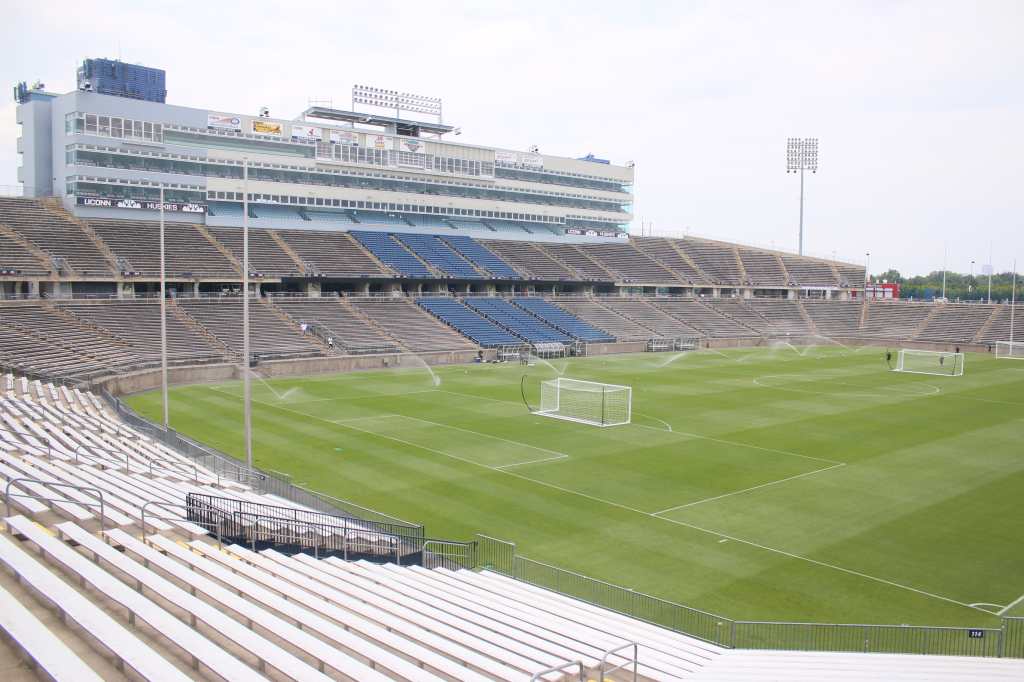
point(801, 155)
point(1013, 302)
point(163, 317)
point(990, 273)
point(867, 272)
point(246, 386)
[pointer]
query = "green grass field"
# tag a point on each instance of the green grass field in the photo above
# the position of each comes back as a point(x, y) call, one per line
point(756, 483)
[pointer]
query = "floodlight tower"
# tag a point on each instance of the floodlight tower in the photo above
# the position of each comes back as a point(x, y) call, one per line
point(801, 155)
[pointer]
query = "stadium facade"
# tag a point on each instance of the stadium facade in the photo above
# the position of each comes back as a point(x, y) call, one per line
point(339, 201)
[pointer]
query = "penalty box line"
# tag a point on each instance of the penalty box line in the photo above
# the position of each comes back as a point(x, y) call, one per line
point(610, 503)
point(747, 490)
point(555, 455)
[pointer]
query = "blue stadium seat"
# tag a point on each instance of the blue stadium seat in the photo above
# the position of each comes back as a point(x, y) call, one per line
point(483, 257)
point(440, 255)
point(518, 321)
point(560, 319)
point(468, 322)
point(391, 253)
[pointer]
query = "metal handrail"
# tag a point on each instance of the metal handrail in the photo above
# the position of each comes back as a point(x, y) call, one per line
point(581, 675)
point(83, 488)
point(635, 660)
point(177, 519)
point(195, 467)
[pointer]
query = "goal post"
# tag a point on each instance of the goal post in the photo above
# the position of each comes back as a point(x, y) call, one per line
point(1010, 350)
point(939, 363)
point(586, 402)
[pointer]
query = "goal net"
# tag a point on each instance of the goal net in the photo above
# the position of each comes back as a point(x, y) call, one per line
point(930, 362)
point(1010, 350)
point(587, 402)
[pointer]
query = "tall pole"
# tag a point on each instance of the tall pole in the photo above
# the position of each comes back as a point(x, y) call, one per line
point(945, 256)
point(990, 273)
point(163, 317)
point(246, 387)
point(1013, 303)
point(801, 210)
point(867, 272)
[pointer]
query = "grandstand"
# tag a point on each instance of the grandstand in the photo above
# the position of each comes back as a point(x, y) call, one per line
point(375, 243)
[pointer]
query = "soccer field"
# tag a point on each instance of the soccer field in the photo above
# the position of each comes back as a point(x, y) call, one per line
point(803, 484)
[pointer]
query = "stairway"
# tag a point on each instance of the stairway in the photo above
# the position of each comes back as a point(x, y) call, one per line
point(57, 208)
point(224, 251)
point(283, 245)
point(989, 322)
point(43, 257)
point(297, 328)
point(807, 317)
point(174, 309)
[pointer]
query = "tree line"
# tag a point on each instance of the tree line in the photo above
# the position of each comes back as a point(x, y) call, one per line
point(958, 286)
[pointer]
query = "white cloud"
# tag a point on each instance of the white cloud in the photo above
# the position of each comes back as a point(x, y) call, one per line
point(917, 104)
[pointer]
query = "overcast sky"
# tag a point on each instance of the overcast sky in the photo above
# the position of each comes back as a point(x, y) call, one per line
point(918, 105)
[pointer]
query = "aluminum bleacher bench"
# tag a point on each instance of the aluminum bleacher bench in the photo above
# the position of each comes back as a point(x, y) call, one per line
point(345, 658)
point(290, 576)
point(266, 652)
point(126, 647)
point(139, 607)
point(45, 649)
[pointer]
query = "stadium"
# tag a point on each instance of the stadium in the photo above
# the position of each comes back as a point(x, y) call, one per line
point(339, 396)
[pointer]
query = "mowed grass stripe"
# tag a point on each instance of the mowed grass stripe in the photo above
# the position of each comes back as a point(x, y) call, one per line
point(809, 515)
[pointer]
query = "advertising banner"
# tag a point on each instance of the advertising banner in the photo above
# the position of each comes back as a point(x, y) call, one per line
point(344, 137)
point(412, 145)
point(524, 159)
point(374, 141)
point(265, 127)
point(224, 122)
point(141, 204)
point(306, 133)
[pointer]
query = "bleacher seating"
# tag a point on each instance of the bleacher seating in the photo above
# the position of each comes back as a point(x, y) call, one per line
point(717, 259)
point(188, 253)
point(16, 258)
point(998, 328)
point(628, 263)
point(810, 272)
point(576, 259)
point(332, 254)
point(438, 254)
point(468, 322)
point(52, 232)
point(894, 319)
point(528, 258)
point(378, 218)
point(336, 317)
point(37, 337)
point(835, 318)
point(597, 315)
point(783, 316)
point(956, 322)
point(763, 268)
point(666, 252)
point(268, 333)
point(736, 309)
point(481, 256)
point(265, 255)
point(643, 313)
point(412, 326)
point(390, 252)
point(561, 320)
point(850, 275)
point(705, 318)
point(137, 323)
point(516, 320)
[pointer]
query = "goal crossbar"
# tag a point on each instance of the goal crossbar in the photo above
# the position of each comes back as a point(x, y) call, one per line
point(586, 402)
point(938, 363)
point(1010, 350)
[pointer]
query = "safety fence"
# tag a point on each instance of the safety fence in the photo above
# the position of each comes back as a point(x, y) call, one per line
point(1005, 640)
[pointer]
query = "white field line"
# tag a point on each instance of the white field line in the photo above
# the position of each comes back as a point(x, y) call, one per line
point(1009, 606)
point(338, 399)
point(555, 454)
point(747, 490)
point(678, 433)
point(618, 505)
point(667, 425)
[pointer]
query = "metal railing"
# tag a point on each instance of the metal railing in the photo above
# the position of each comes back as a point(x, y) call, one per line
point(55, 500)
point(607, 669)
point(1007, 640)
point(564, 668)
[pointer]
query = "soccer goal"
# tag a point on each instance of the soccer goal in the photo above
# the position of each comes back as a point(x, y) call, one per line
point(930, 362)
point(1010, 350)
point(586, 402)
